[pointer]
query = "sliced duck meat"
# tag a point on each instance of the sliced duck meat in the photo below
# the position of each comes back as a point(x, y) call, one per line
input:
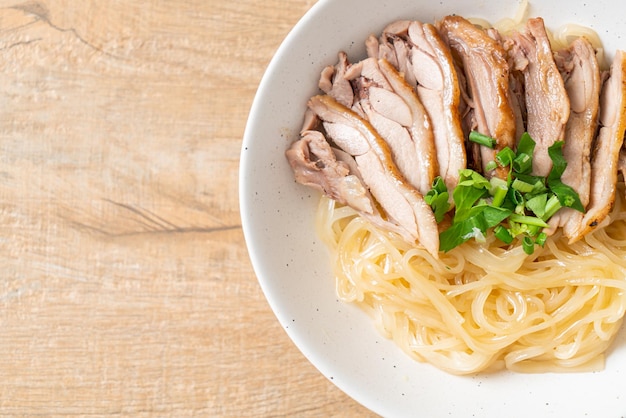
point(374, 49)
point(484, 64)
point(468, 122)
point(547, 104)
point(315, 164)
point(606, 147)
point(438, 89)
point(395, 49)
point(518, 102)
point(394, 110)
point(581, 73)
point(335, 173)
point(369, 69)
point(310, 122)
point(396, 134)
point(403, 204)
point(417, 52)
point(516, 84)
point(333, 82)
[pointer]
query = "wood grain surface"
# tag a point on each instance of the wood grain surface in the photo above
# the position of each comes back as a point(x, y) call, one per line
point(125, 284)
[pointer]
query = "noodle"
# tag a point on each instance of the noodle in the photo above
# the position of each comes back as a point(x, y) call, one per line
point(508, 25)
point(563, 36)
point(485, 306)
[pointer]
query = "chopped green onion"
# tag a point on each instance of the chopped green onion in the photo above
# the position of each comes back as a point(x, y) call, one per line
point(517, 228)
point(522, 186)
point(552, 207)
point(475, 223)
point(541, 239)
point(537, 205)
point(503, 234)
point(528, 220)
point(535, 180)
point(559, 163)
point(528, 245)
point(505, 156)
point(526, 145)
point(471, 187)
point(523, 163)
point(566, 195)
point(516, 197)
point(482, 139)
point(439, 185)
point(539, 186)
point(497, 182)
point(490, 166)
point(533, 230)
point(518, 206)
point(499, 194)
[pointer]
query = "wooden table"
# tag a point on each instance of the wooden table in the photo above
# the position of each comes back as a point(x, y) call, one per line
point(125, 284)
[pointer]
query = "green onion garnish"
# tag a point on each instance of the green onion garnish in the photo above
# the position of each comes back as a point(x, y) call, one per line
point(516, 207)
point(482, 139)
point(523, 163)
point(541, 239)
point(503, 234)
point(505, 156)
point(528, 220)
point(528, 245)
point(522, 186)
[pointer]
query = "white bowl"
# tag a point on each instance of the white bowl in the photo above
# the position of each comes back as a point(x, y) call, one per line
point(292, 265)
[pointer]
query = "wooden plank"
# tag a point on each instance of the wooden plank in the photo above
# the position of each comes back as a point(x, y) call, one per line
point(125, 285)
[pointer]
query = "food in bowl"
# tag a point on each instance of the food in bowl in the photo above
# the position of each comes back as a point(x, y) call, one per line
point(472, 201)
